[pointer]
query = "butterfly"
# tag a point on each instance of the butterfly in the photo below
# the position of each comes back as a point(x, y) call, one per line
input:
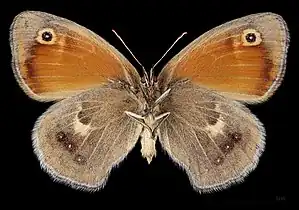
point(195, 107)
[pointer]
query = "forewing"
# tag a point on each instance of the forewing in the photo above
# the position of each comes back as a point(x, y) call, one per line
point(80, 139)
point(54, 58)
point(243, 59)
point(216, 140)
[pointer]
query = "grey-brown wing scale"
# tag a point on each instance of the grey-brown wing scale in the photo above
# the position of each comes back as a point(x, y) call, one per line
point(80, 139)
point(216, 140)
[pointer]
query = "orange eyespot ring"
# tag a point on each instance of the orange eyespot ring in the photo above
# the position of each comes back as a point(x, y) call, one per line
point(46, 36)
point(251, 37)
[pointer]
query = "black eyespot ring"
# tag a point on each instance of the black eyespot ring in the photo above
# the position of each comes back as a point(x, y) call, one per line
point(235, 136)
point(250, 37)
point(70, 146)
point(47, 36)
point(61, 136)
point(80, 159)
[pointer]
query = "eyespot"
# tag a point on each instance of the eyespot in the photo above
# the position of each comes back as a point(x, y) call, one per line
point(80, 159)
point(46, 36)
point(227, 147)
point(70, 146)
point(251, 37)
point(61, 136)
point(64, 139)
point(235, 136)
point(218, 160)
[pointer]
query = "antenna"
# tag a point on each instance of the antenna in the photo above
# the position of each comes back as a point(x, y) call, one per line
point(144, 72)
point(183, 34)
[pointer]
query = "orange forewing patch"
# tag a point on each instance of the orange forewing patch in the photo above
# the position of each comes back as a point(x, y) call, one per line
point(243, 59)
point(72, 63)
point(54, 58)
point(226, 65)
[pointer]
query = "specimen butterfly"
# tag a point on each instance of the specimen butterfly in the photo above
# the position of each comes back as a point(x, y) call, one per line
point(195, 106)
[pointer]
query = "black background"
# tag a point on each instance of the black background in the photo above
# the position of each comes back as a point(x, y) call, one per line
point(149, 28)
